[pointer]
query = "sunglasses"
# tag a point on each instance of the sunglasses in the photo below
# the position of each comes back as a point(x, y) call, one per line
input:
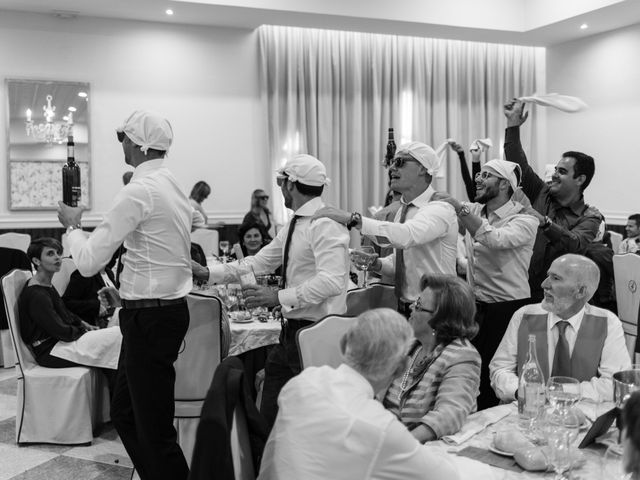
point(398, 162)
point(417, 307)
point(263, 197)
point(280, 179)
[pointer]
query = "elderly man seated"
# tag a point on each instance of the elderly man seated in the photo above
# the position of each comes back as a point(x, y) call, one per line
point(573, 338)
point(329, 424)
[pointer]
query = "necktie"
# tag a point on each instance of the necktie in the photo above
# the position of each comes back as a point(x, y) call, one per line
point(400, 275)
point(561, 358)
point(285, 255)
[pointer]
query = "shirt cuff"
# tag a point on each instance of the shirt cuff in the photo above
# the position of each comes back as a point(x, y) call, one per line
point(216, 274)
point(288, 299)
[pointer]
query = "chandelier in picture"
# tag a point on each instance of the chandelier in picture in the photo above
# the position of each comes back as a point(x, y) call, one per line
point(50, 131)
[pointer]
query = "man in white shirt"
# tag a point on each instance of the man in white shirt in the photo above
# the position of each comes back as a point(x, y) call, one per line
point(631, 244)
point(573, 338)
point(314, 256)
point(424, 232)
point(499, 245)
point(330, 426)
point(153, 217)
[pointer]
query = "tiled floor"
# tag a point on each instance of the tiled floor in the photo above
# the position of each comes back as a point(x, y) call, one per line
point(104, 459)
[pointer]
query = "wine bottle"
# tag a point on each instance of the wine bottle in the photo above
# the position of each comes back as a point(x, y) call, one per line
point(391, 148)
point(71, 177)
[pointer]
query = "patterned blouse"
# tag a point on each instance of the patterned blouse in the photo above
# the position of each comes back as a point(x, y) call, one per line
point(439, 391)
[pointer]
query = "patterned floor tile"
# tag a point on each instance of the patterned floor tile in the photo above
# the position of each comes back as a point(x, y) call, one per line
point(16, 460)
point(67, 468)
point(107, 448)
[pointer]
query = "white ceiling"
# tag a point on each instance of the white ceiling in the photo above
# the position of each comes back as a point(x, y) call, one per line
point(527, 22)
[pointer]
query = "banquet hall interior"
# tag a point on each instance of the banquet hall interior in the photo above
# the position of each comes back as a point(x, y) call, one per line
point(248, 84)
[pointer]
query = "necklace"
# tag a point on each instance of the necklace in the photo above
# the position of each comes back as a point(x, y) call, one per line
point(410, 368)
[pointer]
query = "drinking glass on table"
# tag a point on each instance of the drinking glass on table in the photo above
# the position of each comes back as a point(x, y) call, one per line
point(563, 394)
point(612, 465)
point(224, 248)
point(363, 258)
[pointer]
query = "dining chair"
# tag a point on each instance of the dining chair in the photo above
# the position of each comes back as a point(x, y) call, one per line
point(626, 272)
point(207, 238)
point(616, 240)
point(319, 344)
point(54, 405)
point(196, 363)
point(61, 279)
point(19, 241)
point(377, 295)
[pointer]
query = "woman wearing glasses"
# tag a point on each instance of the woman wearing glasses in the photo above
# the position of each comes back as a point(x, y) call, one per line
point(439, 386)
point(260, 213)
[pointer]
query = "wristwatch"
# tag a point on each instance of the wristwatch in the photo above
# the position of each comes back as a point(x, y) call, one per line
point(355, 220)
point(71, 228)
point(464, 210)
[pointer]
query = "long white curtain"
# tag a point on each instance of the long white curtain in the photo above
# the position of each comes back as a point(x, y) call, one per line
point(334, 94)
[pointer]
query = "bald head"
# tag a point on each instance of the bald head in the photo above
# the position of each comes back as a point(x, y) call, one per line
point(584, 271)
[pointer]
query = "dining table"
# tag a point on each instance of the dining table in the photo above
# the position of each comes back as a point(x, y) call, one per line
point(472, 455)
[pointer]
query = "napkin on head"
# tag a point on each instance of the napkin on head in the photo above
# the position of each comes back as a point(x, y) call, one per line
point(477, 422)
point(564, 103)
point(481, 144)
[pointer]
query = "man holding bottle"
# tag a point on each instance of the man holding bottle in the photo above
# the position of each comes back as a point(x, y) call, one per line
point(573, 338)
point(153, 217)
point(314, 256)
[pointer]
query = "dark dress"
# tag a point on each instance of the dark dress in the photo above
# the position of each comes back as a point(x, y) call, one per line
point(81, 297)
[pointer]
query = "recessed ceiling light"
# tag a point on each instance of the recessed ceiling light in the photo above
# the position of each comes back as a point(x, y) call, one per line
point(72, 109)
point(168, 11)
point(82, 94)
point(584, 26)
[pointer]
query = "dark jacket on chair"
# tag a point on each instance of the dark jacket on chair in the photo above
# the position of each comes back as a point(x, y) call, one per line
point(212, 452)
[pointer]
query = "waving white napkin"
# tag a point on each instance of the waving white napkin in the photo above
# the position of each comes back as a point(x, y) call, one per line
point(564, 103)
point(481, 144)
point(477, 422)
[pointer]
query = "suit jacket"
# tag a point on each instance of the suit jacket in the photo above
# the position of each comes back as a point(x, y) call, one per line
point(81, 295)
point(442, 393)
point(212, 452)
point(10, 259)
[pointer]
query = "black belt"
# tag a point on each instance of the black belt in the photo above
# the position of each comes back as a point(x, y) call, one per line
point(150, 303)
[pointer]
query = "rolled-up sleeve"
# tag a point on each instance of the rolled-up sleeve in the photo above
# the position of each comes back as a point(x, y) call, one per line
point(503, 366)
point(519, 231)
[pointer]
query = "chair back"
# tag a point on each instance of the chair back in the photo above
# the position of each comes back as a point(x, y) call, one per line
point(378, 295)
point(616, 240)
point(61, 279)
point(208, 239)
point(19, 241)
point(200, 352)
point(12, 285)
point(240, 446)
point(319, 344)
point(626, 271)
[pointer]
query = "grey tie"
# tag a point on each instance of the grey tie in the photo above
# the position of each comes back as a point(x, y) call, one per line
point(561, 357)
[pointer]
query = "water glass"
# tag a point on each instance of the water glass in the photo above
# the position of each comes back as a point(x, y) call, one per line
point(559, 442)
point(224, 248)
point(363, 258)
point(563, 392)
point(612, 466)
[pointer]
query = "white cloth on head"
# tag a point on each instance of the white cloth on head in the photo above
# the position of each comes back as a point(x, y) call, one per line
point(481, 144)
point(506, 170)
point(305, 169)
point(564, 103)
point(148, 131)
point(424, 154)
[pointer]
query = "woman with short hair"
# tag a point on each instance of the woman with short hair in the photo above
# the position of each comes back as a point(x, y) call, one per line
point(199, 193)
point(439, 386)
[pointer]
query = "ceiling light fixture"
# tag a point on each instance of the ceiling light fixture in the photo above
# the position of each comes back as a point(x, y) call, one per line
point(584, 26)
point(50, 131)
point(168, 11)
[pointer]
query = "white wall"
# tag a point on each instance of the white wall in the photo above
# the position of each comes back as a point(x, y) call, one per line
point(204, 80)
point(603, 70)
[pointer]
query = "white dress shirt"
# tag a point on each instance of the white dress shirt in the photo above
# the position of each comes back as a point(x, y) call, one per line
point(317, 269)
point(501, 250)
point(615, 356)
point(329, 426)
point(629, 245)
point(429, 238)
point(153, 217)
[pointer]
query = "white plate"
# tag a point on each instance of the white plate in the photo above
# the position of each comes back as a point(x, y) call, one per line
point(237, 318)
point(499, 452)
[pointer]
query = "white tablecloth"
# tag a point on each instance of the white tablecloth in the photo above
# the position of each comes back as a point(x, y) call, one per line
point(248, 336)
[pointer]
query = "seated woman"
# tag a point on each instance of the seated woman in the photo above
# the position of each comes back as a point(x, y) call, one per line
point(253, 237)
point(57, 337)
point(260, 213)
point(438, 389)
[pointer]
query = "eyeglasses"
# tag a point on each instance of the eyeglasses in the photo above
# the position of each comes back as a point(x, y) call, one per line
point(417, 306)
point(398, 162)
point(483, 176)
point(280, 179)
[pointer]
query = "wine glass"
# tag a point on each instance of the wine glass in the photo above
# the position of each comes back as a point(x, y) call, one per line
point(224, 248)
point(363, 258)
point(563, 393)
point(559, 448)
point(612, 465)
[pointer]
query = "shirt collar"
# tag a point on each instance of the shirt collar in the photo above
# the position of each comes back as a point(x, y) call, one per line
point(506, 209)
point(309, 208)
point(357, 380)
point(578, 206)
point(145, 168)
point(422, 199)
point(575, 321)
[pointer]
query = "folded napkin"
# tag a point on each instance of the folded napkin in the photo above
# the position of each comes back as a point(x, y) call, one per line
point(477, 422)
point(564, 103)
point(481, 144)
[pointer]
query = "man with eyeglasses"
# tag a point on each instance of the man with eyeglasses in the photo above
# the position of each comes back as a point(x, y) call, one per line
point(566, 223)
point(314, 256)
point(499, 245)
point(424, 233)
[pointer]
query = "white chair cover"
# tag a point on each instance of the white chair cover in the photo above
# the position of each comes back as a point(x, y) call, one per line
point(616, 240)
point(319, 344)
point(378, 295)
point(195, 366)
point(61, 279)
point(19, 241)
point(54, 405)
point(626, 271)
point(208, 240)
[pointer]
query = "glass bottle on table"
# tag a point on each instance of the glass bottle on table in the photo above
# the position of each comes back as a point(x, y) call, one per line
point(531, 390)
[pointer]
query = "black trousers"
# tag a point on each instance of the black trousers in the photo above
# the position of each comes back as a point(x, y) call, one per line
point(142, 406)
point(283, 363)
point(493, 319)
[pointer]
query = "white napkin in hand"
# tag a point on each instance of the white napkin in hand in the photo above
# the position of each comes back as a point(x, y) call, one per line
point(477, 422)
point(481, 144)
point(564, 103)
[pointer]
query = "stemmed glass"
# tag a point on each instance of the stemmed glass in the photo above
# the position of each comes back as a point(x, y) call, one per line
point(224, 248)
point(363, 258)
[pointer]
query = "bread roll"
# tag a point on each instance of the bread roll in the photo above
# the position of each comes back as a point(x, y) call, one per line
point(511, 440)
point(531, 459)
